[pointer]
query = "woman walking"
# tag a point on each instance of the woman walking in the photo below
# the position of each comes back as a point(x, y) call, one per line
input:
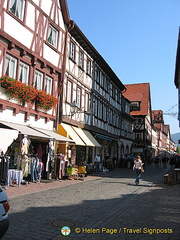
point(137, 167)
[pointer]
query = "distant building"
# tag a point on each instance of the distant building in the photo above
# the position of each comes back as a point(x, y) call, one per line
point(140, 110)
point(164, 143)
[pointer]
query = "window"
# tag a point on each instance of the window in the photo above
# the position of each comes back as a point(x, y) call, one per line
point(48, 85)
point(24, 73)
point(86, 105)
point(96, 75)
point(72, 51)
point(69, 92)
point(38, 80)
point(111, 89)
point(10, 66)
point(100, 109)
point(78, 97)
point(88, 67)
point(137, 135)
point(17, 8)
point(135, 106)
point(52, 36)
point(81, 60)
point(104, 113)
point(95, 107)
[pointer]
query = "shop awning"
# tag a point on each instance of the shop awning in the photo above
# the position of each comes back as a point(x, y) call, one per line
point(70, 131)
point(87, 137)
point(23, 129)
point(54, 135)
point(7, 138)
point(105, 137)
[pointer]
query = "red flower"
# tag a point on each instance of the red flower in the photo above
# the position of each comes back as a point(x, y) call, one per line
point(24, 93)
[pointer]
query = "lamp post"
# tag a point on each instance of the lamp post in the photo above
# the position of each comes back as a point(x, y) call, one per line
point(74, 108)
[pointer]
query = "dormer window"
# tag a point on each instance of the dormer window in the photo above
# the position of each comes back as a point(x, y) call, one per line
point(135, 106)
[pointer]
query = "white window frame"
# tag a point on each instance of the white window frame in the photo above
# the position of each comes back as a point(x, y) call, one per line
point(78, 97)
point(88, 70)
point(17, 8)
point(23, 73)
point(48, 84)
point(38, 80)
point(81, 59)
point(72, 50)
point(10, 66)
point(52, 36)
point(69, 92)
point(86, 104)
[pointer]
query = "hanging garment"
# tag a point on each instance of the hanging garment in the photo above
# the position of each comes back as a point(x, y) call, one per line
point(25, 145)
point(25, 166)
point(39, 152)
point(14, 175)
point(40, 169)
point(33, 169)
point(4, 166)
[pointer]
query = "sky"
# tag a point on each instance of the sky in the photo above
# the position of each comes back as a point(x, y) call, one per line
point(138, 39)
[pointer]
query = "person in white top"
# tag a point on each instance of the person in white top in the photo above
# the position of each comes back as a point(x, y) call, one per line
point(97, 161)
point(137, 167)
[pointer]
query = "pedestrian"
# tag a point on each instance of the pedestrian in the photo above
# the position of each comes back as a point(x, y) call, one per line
point(97, 161)
point(128, 161)
point(172, 162)
point(164, 161)
point(156, 161)
point(137, 167)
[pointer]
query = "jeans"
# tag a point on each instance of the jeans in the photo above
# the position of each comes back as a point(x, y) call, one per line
point(97, 166)
point(138, 175)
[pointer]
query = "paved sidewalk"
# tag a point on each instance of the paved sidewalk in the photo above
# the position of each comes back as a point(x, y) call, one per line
point(15, 191)
point(104, 206)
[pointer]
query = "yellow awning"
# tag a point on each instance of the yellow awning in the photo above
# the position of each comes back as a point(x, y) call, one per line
point(87, 137)
point(72, 134)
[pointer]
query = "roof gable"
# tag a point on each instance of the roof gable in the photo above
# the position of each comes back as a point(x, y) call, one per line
point(141, 93)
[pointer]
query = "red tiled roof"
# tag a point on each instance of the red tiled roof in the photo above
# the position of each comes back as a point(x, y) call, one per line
point(138, 92)
point(157, 113)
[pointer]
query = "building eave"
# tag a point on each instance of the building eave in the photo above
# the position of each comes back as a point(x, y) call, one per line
point(78, 35)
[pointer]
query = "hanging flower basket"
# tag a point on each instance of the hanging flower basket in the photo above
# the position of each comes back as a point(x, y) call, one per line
point(24, 93)
point(18, 90)
point(45, 101)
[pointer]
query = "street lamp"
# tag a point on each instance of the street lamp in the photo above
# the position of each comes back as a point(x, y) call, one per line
point(74, 108)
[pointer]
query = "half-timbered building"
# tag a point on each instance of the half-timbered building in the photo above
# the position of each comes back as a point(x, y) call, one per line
point(96, 91)
point(140, 109)
point(32, 49)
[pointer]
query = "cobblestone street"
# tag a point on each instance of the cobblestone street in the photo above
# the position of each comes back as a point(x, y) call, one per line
point(104, 206)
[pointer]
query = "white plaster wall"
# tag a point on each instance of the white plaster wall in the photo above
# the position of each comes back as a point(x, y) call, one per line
point(46, 6)
point(17, 31)
point(40, 123)
point(37, 2)
point(30, 20)
point(51, 55)
point(9, 116)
